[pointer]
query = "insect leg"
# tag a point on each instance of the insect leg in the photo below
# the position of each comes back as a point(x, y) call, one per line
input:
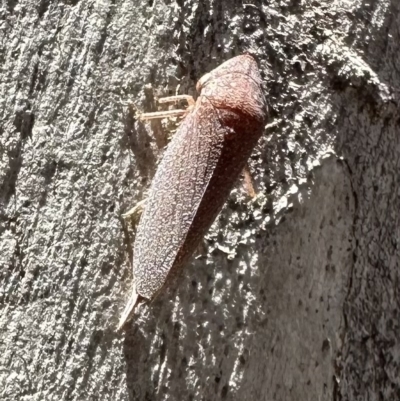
point(248, 182)
point(136, 211)
point(126, 314)
point(170, 113)
point(162, 114)
point(171, 99)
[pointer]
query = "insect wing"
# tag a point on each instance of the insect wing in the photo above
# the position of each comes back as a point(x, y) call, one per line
point(175, 195)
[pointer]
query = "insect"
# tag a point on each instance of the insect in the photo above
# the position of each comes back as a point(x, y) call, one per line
point(199, 168)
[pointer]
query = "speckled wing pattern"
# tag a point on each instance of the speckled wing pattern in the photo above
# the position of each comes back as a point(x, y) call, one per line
point(198, 170)
point(175, 194)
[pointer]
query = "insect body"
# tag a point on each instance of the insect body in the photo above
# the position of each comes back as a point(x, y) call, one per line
point(198, 170)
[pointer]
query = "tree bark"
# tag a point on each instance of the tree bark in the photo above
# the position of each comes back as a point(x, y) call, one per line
point(294, 296)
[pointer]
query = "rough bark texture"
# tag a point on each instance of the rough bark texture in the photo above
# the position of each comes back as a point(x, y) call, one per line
point(294, 296)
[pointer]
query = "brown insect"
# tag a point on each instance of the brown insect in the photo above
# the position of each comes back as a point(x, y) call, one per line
point(198, 170)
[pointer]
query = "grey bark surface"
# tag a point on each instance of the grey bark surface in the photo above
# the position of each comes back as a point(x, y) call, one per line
point(294, 296)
